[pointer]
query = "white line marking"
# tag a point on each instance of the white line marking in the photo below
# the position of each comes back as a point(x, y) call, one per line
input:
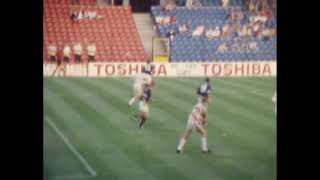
point(70, 146)
point(74, 177)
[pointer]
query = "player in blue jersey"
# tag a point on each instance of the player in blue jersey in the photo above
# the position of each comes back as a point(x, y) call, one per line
point(204, 90)
point(144, 105)
point(147, 72)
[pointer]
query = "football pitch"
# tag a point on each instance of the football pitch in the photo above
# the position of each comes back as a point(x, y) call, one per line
point(91, 133)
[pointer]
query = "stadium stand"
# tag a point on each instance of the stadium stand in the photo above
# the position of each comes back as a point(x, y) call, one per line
point(115, 34)
point(185, 47)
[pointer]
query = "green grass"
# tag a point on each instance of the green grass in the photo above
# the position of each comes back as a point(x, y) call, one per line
point(94, 116)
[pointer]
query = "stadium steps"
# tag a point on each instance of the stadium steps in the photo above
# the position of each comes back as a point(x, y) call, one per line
point(145, 28)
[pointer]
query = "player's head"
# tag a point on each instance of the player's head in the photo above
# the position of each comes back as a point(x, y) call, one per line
point(207, 80)
point(148, 61)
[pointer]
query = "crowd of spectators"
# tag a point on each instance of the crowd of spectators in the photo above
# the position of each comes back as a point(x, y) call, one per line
point(242, 27)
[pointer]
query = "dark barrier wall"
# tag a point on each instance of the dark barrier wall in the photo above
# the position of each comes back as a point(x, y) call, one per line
point(143, 5)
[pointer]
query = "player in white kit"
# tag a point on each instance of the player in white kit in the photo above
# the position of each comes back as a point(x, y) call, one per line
point(197, 121)
point(138, 85)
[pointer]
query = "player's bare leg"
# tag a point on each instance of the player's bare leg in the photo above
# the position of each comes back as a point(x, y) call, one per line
point(184, 140)
point(144, 116)
point(203, 135)
point(132, 100)
point(54, 72)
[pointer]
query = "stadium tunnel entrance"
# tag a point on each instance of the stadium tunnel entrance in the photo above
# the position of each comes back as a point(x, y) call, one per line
point(143, 5)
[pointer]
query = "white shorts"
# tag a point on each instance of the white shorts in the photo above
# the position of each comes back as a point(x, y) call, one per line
point(147, 79)
point(143, 108)
point(191, 124)
point(137, 90)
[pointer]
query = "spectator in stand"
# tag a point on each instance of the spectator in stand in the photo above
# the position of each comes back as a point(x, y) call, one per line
point(210, 34)
point(77, 52)
point(159, 20)
point(243, 31)
point(251, 7)
point(66, 53)
point(225, 3)
point(225, 30)
point(253, 46)
point(235, 45)
point(52, 52)
point(184, 28)
point(80, 15)
point(173, 20)
point(168, 7)
point(91, 51)
point(216, 32)
point(166, 20)
point(222, 48)
point(198, 31)
point(73, 15)
point(171, 35)
point(92, 15)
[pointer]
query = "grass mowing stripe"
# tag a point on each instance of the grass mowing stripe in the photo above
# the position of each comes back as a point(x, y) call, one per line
point(95, 106)
point(117, 85)
point(224, 164)
point(231, 106)
point(121, 162)
point(251, 82)
point(249, 124)
point(170, 149)
point(261, 103)
point(253, 135)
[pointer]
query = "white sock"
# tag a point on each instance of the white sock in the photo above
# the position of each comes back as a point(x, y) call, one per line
point(181, 144)
point(204, 144)
point(132, 101)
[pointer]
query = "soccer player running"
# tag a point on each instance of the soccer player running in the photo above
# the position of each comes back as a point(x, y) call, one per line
point(137, 87)
point(204, 90)
point(147, 72)
point(144, 105)
point(197, 121)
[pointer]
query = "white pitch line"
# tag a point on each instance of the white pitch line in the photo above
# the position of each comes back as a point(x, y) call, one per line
point(70, 146)
point(74, 177)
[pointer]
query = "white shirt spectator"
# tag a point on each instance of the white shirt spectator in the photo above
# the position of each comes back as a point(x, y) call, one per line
point(253, 46)
point(80, 15)
point(225, 3)
point(92, 50)
point(52, 50)
point(166, 20)
point(243, 31)
point(210, 34)
point(77, 49)
point(66, 50)
point(183, 28)
point(216, 32)
point(225, 28)
point(159, 20)
point(198, 31)
point(92, 14)
point(222, 48)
